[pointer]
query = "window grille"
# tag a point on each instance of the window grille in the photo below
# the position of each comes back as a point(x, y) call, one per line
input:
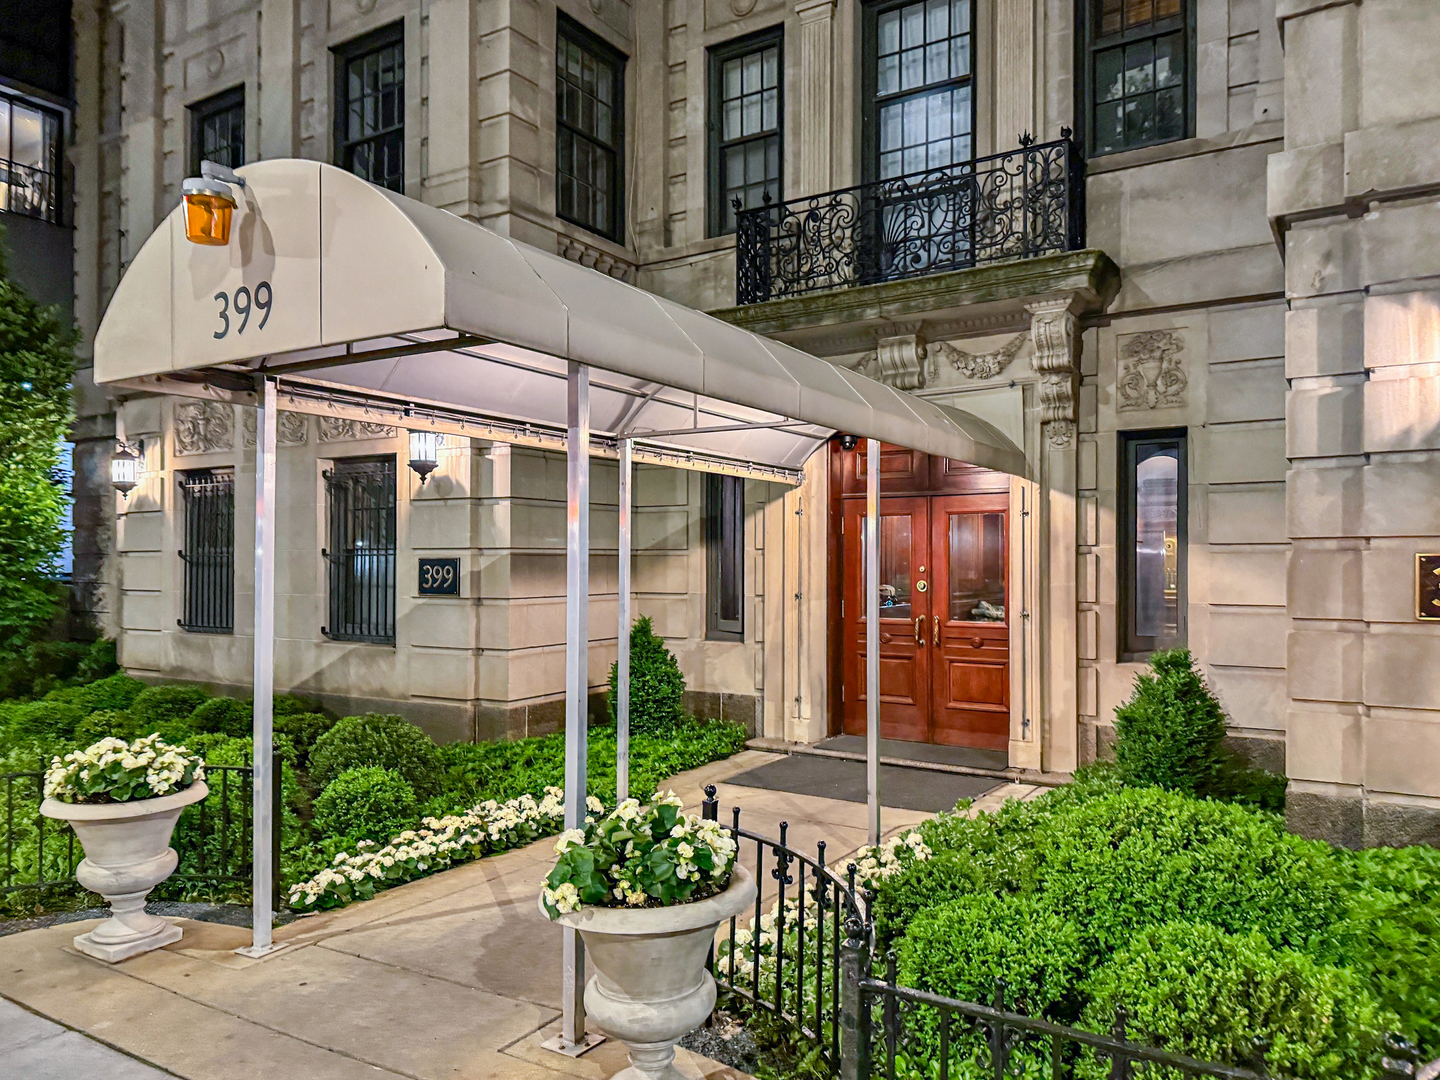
point(589, 130)
point(360, 493)
point(29, 159)
point(208, 554)
point(724, 509)
point(370, 107)
point(217, 130)
point(1139, 73)
point(746, 119)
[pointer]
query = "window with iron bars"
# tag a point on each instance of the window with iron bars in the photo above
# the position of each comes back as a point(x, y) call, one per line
point(30, 139)
point(208, 554)
point(360, 497)
point(370, 107)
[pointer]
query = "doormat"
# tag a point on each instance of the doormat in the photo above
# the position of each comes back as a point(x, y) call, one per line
point(919, 751)
point(836, 778)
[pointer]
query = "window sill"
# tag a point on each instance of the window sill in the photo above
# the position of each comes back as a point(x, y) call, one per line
point(1266, 131)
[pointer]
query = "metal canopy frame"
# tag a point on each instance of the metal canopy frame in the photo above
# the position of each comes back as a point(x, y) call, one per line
point(476, 306)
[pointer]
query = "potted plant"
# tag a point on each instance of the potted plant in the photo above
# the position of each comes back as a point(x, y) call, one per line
point(123, 799)
point(646, 887)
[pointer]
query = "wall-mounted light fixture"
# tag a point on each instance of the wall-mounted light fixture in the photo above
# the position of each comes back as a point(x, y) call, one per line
point(425, 452)
point(209, 204)
point(125, 467)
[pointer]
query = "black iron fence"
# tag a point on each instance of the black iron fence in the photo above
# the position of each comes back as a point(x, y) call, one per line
point(212, 838)
point(1017, 205)
point(807, 962)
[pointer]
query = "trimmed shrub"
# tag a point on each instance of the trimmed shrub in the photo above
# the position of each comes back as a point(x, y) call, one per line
point(1196, 990)
point(1169, 732)
point(45, 718)
point(98, 662)
point(657, 689)
point(387, 741)
point(158, 706)
point(292, 705)
point(103, 724)
point(224, 716)
point(115, 692)
point(960, 948)
point(365, 803)
point(304, 730)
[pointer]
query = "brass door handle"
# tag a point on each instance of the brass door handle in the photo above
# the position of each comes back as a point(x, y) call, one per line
point(937, 629)
point(920, 630)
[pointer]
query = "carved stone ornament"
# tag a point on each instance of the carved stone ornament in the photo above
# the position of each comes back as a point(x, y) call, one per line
point(741, 8)
point(290, 430)
point(1151, 375)
point(588, 255)
point(977, 365)
point(204, 427)
point(335, 428)
point(898, 359)
point(1052, 329)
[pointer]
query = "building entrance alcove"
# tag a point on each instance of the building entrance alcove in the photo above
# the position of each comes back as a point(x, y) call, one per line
point(944, 599)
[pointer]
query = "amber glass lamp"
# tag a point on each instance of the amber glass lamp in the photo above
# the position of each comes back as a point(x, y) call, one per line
point(209, 204)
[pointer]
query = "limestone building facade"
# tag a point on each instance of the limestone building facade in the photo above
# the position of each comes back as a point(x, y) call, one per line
point(1182, 252)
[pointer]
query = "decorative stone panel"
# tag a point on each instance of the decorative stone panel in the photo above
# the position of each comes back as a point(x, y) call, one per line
point(1151, 373)
point(977, 365)
point(335, 429)
point(1052, 329)
point(577, 250)
point(203, 427)
point(290, 430)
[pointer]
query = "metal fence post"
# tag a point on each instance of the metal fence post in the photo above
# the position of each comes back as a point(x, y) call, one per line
point(277, 810)
point(1399, 1061)
point(854, 1016)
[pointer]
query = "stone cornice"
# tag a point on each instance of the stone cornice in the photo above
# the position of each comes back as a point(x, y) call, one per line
point(1089, 277)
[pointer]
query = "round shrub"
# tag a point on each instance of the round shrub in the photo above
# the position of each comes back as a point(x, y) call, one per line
point(304, 730)
point(1145, 856)
point(103, 724)
point(1169, 733)
point(115, 692)
point(387, 741)
point(1198, 991)
point(291, 704)
point(657, 689)
point(365, 803)
point(223, 716)
point(53, 718)
point(159, 705)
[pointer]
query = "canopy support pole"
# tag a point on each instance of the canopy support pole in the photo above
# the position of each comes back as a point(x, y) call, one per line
point(622, 642)
point(572, 1039)
point(263, 760)
point(872, 637)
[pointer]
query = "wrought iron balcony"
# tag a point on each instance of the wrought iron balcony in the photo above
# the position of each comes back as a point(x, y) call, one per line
point(1017, 205)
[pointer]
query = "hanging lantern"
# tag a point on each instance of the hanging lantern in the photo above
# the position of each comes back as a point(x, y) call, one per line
point(425, 452)
point(124, 469)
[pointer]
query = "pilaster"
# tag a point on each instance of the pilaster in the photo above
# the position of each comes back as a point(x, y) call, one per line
point(279, 104)
point(817, 24)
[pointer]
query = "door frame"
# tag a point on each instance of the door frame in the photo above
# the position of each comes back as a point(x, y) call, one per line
point(928, 476)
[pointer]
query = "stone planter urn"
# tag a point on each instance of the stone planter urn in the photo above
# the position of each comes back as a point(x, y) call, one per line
point(650, 984)
point(127, 853)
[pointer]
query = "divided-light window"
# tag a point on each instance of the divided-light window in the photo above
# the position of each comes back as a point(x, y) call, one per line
point(217, 130)
point(370, 107)
point(589, 130)
point(746, 98)
point(1141, 84)
point(29, 159)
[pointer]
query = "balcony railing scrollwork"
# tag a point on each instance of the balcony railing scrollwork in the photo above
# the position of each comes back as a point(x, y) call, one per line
point(1017, 205)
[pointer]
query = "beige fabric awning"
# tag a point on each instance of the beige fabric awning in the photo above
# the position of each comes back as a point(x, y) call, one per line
point(368, 304)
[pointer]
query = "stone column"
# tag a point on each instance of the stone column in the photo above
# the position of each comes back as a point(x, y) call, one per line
point(817, 19)
point(278, 109)
point(1056, 361)
point(141, 124)
point(451, 182)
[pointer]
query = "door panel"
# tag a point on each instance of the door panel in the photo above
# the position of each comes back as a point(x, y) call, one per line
point(905, 675)
point(970, 631)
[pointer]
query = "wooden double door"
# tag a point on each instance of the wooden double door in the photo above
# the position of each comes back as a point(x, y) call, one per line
point(944, 618)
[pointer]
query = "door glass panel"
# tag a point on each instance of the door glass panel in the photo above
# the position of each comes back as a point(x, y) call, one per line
point(1157, 545)
point(977, 567)
point(895, 599)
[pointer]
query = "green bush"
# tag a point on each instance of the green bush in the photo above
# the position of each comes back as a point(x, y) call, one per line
point(387, 741)
point(365, 803)
point(224, 716)
point(961, 947)
point(292, 705)
point(657, 689)
point(304, 730)
point(105, 724)
point(55, 718)
point(115, 692)
point(1170, 731)
point(158, 706)
point(1195, 990)
point(98, 662)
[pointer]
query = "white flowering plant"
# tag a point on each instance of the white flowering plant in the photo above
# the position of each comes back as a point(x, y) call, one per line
point(113, 770)
point(437, 844)
point(639, 856)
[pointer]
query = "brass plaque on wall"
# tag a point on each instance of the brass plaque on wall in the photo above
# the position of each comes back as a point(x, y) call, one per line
point(1427, 587)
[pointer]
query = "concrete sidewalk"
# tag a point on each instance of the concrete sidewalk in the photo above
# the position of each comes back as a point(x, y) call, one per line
point(453, 976)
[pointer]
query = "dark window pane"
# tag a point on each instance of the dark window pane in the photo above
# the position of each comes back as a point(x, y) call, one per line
point(1129, 64)
point(588, 132)
point(724, 512)
point(1170, 114)
point(373, 109)
point(1109, 127)
point(1139, 68)
point(1109, 75)
point(1170, 60)
point(1152, 528)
